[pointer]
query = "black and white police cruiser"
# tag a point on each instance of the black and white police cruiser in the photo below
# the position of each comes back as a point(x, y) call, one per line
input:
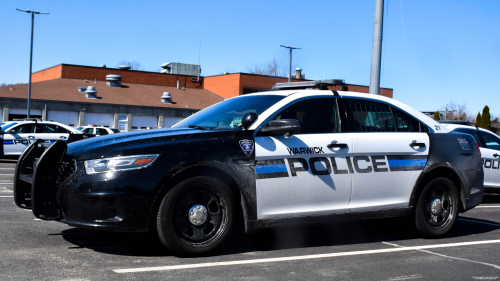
point(17, 135)
point(489, 145)
point(289, 156)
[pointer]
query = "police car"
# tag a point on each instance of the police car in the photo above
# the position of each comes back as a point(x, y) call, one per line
point(97, 130)
point(287, 156)
point(17, 135)
point(489, 145)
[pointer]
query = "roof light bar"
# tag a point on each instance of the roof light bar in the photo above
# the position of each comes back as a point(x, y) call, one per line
point(320, 84)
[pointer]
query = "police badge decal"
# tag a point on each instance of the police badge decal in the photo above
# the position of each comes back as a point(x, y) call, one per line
point(247, 146)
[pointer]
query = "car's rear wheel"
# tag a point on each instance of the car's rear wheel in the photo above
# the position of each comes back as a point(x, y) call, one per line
point(196, 216)
point(437, 207)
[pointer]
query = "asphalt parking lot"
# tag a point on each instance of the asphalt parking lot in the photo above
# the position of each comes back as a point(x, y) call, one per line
point(371, 250)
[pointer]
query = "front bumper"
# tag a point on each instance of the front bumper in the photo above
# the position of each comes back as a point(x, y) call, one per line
point(57, 188)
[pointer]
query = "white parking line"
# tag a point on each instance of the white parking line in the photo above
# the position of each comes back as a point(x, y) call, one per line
point(495, 224)
point(483, 206)
point(10, 196)
point(295, 258)
point(449, 257)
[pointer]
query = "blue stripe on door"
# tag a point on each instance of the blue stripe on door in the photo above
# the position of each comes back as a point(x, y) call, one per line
point(407, 162)
point(267, 169)
point(8, 142)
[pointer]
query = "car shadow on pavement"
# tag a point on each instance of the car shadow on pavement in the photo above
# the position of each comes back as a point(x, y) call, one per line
point(491, 199)
point(279, 238)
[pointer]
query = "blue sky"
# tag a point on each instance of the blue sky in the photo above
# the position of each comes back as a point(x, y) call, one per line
point(445, 50)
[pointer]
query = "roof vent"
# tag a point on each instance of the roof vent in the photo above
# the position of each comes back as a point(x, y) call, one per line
point(86, 80)
point(124, 67)
point(103, 66)
point(90, 93)
point(298, 73)
point(113, 80)
point(81, 89)
point(166, 98)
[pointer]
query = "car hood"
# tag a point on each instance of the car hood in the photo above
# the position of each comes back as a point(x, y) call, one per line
point(129, 143)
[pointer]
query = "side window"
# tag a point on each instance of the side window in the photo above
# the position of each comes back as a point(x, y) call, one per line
point(405, 123)
point(491, 141)
point(61, 130)
point(367, 116)
point(101, 132)
point(89, 131)
point(316, 116)
point(24, 129)
point(46, 129)
point(470, 132)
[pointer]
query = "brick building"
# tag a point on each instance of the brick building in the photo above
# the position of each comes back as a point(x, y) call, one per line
point(127, 99)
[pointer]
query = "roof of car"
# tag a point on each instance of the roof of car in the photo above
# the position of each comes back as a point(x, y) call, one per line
point(414, 112)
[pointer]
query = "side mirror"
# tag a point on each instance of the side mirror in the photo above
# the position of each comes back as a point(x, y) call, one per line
point(283, 126)
point(248, 120)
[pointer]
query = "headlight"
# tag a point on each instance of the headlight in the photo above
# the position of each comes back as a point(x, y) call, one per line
point(119, 163)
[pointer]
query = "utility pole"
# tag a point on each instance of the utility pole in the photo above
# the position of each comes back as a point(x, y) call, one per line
point(290, 64)
point(31, 52)
point(377, 47)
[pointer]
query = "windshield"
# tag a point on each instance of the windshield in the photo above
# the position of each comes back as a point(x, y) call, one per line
point(7, 126)
point(228, 114)
point(79, 128)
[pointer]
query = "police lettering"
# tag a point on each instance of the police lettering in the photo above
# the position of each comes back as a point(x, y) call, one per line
point(362, 164)
point(490, 164)
point(305, 150)
point(22, 141)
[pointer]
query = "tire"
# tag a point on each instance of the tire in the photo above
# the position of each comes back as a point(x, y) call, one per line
point(186, 234)
point(437, 207)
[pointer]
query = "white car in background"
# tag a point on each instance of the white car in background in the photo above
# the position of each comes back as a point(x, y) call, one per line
point(489, 145)
point(97, 130)
point(17, 135)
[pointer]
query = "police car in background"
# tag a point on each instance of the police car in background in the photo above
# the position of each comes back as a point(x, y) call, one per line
point(17, 135)
point(97, 130)
point(489, 145)
point(281, 157)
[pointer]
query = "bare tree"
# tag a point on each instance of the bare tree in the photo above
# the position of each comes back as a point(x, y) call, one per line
point(134, 65)
point(272, 68)
point(457, 110)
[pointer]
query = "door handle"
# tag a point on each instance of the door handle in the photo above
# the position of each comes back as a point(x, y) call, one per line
point(31, 137)
point(420, 144)
point(63, 137)
point(337, 145)
point(496, 155)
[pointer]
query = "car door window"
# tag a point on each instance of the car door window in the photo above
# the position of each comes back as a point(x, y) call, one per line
point(470, 132)
point(89, 131)
point(406, 123)
point(101, 132)
point(491, 141)
point(46, 128)
point(366, 116)
point(61, 130)
point(316, 116)
point(24, 129)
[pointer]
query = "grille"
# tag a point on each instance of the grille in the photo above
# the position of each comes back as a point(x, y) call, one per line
point(66, 169)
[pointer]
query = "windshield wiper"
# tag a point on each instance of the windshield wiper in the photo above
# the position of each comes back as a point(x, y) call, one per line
point(196, 127)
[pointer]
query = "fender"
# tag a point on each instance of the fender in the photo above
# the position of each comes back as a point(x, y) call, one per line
point(449, 156)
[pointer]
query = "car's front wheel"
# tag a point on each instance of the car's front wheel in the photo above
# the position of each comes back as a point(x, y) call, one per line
point(196, 216)
point(437, 207)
